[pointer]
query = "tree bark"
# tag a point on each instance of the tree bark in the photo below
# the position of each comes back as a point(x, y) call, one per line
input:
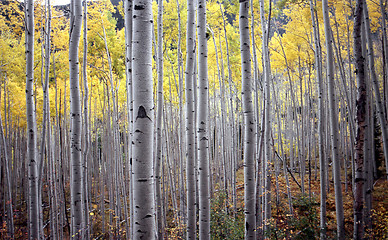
point(9, 204)
point(360, 122)
point(190, 140)
point(143, 132)
point(159, 115)
point(202, 121)
point(128, 73)
point(379, 102)
point(333, 123)
point(267, 106)
point(33, 196)
point(76, 185)
point(321, 121)
point(249, 123)
point(86, 123)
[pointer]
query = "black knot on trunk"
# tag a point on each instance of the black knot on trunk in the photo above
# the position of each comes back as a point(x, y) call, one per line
point(139, 7)
point(141, 113)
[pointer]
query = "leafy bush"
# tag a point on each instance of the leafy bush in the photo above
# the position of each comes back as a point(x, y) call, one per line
point(303, 225)
point(223, 223)
point(306, 224)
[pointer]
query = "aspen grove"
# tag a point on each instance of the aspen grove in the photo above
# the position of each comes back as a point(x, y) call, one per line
point(193, 119)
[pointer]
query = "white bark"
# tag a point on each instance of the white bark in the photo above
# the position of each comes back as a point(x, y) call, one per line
point(128, 72)
point(86, 123)
point(202, 119)
point(33, 198)
point(158, 159)
point(76, 185)
point(9, 206)
point(267, 107)
point(379, 103)
point(249, 123)
point(321, 121)
point(190, 141)
point(333, 123)
point(143, 131)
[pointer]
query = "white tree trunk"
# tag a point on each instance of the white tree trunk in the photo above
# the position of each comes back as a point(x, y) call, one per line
point(86, 123)
point(249, 123)
point(143, 128)
point(333, 123)
point(191, 224)
point(379, 103)
point(321, 121)
point(202, 120)
point(9, 206)
point(267, 130)
point(76, 185)
point(158, 159)
point(128, 72)
point(33, 198)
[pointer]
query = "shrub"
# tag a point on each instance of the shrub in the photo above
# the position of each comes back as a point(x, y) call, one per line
point(223, 223)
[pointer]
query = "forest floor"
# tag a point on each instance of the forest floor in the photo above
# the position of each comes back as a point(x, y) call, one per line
point(304, 223)
point(226, 224)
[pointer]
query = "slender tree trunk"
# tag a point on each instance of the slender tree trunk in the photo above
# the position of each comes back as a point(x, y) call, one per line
point(259, 135)
point(76, 185)
point(379, 103)
point(385, 60)
point(128, 72)
point(46, 132)
point(10, 227)
point(46, 102)
point(202, 121)
point(33, 198)
point(159, 115)
point(267, 106)
point(360, 122)
point(321, 121)
point(333, 123)
point(181, 184)
point(190, 140)
point(86, 123)
point(143, 132)
point(249, 123)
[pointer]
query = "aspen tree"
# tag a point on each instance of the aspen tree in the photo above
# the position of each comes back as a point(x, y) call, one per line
point(360, 122)
point(143, 132)
point(5, 167)
point(202, 129)
point(128, 73)
point(267, 106)
point(46, 116)
point(76, 185)
point(33, 196)
point(86, 122)
point(46, 100)
point(159, 115)
point(249, 123)
point(181, 120)
point(321, 121)
point(259, 136)
point(379, 102)
point(333, 123)
point(190, 144)
point(231, 111)
point(10, 216)
point(347, 97)
point(385, 59)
